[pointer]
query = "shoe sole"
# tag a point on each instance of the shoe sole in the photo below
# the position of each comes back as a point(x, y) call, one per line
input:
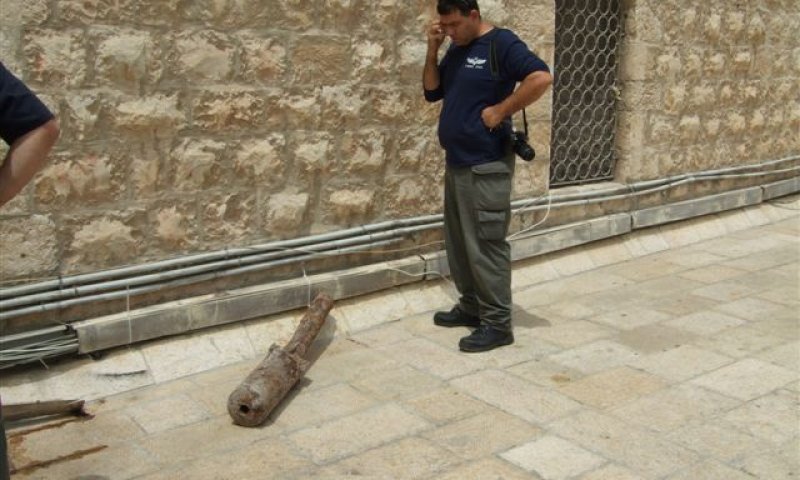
point(442, 324)
point(486, 348)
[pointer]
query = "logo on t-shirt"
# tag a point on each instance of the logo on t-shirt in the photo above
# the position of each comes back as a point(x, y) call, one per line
point(475, 62)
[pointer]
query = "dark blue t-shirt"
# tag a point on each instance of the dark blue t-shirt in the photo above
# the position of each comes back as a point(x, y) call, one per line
point(468, 86)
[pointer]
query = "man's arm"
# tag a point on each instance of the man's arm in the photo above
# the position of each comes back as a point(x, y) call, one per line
point(431, 82)
point(530, 89)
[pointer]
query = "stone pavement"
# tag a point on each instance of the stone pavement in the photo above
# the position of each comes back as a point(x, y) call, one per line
point(676, 363)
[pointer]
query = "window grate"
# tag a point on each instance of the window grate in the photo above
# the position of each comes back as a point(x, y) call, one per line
point(584, 101)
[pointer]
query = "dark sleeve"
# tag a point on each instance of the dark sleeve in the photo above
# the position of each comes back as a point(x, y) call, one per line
point(20, 110)
point(438, 94)
point(521, 62)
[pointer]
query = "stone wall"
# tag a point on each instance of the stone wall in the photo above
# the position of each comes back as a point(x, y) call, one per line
point(707, 85)
point(197, 125)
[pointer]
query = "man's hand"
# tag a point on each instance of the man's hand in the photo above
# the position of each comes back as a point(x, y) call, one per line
point(492, 116)
point(435, 36)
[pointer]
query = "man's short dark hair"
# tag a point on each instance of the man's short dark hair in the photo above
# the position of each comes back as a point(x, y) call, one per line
point(446, 7)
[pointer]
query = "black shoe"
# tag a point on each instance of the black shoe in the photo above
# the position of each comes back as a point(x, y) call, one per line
point(485, 338)
point(456, 318)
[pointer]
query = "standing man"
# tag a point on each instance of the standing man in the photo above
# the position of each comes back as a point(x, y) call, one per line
point(476, 81)
point(29, 129)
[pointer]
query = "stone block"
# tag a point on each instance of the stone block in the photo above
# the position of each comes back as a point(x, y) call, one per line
point(702, 96)
point(408, 197)
point(410, 58)
point(756, 29)
point(113, 239)
point(234, 109)
point(201, 56)
point(735, 124)
point(27, 246)
point(128, 12)
point(712, 28)
point(488, 468)
point(263, 58)
point(174, 225)
point(311, 152)
point(56, 58)
point(126, 59)
point(157, 113)
point(668, 65)
point(662, 129)
point(635, 62)
point(746, 379)
point(553, 458)
point(344, 105)
point(259, 162)
point(364, 431)
point(715, 63)
point(399, 383)
point(735, 26)
point(772, 418)
point(372, 60)
point(167, 413)
point(719, 439)
point(197, 164)
point(742, 61)
point(693, 62)
point(408, 458)
point(285, 211)
point(491, 432)
point(340, 15)
point(191, 442)
point(393, 105)
point(515, 396)
point(146, 169)
point(170, 359)
point(321, 60)
point(445, 405)
point(301, 110)
point(84, 177)
point(363, 152)
point(431, 357)
point(617, 440)
point(82, 112)
point(348, 205)
point(418, 151)
point(24, 12)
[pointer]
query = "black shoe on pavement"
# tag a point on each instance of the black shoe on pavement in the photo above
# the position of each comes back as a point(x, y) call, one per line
point(485, 338)
point(456, 318)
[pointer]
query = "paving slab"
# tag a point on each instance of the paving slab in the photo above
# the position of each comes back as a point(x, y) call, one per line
point(667, 354)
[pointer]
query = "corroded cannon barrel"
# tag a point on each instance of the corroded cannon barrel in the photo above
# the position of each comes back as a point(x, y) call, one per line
point(254, 399)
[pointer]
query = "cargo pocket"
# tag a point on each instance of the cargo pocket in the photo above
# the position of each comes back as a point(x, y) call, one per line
point(492, 225)
point(492, 184)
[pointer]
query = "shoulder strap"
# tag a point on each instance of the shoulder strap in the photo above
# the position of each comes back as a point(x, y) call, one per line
point(493, 65)
point(495, 68)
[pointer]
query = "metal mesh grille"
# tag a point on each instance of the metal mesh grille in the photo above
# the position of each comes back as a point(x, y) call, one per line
point(584, 103)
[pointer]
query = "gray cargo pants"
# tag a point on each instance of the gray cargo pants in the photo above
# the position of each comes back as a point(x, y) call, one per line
point(477, 213)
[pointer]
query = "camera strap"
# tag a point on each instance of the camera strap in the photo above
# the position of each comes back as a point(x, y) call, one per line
point(495, 69)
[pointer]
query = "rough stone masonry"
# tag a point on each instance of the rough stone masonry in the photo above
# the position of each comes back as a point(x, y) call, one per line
point(191, 126)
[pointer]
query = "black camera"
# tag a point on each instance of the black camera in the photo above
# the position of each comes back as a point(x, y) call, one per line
point(520, 145)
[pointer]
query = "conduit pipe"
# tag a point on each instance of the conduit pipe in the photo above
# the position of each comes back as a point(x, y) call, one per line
point(227, 253)
point(76, 291)
point(189, 280)
point(257, 259)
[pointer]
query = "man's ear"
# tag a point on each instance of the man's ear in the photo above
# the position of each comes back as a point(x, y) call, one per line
point(474, 15)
